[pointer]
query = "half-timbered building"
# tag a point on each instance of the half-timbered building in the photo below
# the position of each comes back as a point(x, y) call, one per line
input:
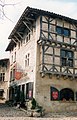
point(43, 53)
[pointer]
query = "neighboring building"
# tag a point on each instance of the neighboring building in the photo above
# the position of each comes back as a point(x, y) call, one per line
point(43, 55)
point(4, 80)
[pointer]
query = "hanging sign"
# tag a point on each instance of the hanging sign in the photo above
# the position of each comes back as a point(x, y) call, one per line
point(55, 95)
point(18, 75)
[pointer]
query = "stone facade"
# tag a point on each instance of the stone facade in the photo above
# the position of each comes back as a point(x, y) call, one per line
point(43, 90)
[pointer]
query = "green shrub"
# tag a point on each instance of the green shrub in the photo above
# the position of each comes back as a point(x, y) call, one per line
point(33, 102)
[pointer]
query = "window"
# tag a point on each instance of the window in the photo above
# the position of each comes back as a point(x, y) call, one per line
point(66, 32)
point(54, 93)
point(63, 31)
point(1, 93)
point(12, 74)
point(28, 35)
point(29, 90)
point(59, 30)
point(67, 58)
point(65, 94)
point(2, 76)
point(15, 57)
point(12, 59)
point(27, 60)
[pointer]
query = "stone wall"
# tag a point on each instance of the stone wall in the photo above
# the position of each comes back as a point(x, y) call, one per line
point(43, 90)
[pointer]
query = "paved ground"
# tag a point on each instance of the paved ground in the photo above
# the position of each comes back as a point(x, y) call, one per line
point(13, 113)
point(7, 111)
point(61, 115)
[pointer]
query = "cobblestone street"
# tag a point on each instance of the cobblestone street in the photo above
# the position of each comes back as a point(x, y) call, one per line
point(13, 113)
point(7, 111)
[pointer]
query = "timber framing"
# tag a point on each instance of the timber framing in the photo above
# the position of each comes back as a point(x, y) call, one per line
point(49, 44)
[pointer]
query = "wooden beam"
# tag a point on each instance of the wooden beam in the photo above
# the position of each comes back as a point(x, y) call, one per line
point(57, 42)
point(29, 19)
point(75, 27)
point(27, 26)
point(19, 35)
point(14, 40)
point(17, 38)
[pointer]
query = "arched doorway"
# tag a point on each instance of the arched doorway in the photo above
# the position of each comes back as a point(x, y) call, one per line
point(66, 94)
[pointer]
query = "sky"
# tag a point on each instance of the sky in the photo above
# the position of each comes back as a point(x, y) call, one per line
point(13, 12)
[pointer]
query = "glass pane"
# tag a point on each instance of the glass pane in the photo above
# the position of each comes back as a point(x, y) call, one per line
point(70, 63)
point(66, 32)
point(59, 30)
point(70, 54)
point(64, 62)
point(63, 53)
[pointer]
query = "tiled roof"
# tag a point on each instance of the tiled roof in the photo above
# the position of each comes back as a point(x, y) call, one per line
point(37, 12)
point(33, 14)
